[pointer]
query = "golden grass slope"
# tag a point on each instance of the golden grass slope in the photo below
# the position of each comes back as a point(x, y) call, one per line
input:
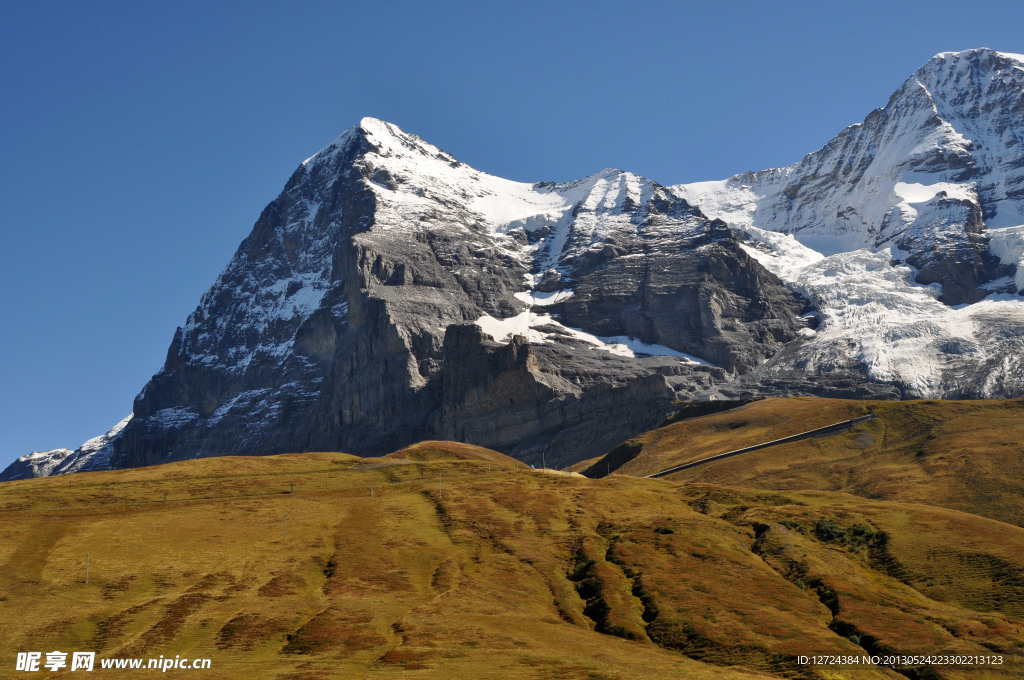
point(966, 455)
point(287, 567)
point(436, 450)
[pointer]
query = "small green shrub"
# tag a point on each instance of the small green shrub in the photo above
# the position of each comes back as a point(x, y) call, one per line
point(830, 532)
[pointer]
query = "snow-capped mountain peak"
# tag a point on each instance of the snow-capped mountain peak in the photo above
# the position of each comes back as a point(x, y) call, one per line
point(391, 293)
point(92, 455)
point(922, 200)
point(935, 167)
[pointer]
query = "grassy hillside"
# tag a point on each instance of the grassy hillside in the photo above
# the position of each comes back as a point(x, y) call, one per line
point(453, 562)
point(436, 451)
point(965, 455)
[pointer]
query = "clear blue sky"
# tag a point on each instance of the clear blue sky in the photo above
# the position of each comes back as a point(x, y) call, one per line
point(139, 141)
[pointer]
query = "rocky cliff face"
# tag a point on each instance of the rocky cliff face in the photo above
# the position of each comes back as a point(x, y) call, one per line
point(392, 294)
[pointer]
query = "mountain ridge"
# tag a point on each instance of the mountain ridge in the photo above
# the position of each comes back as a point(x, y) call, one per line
point(392, 294)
